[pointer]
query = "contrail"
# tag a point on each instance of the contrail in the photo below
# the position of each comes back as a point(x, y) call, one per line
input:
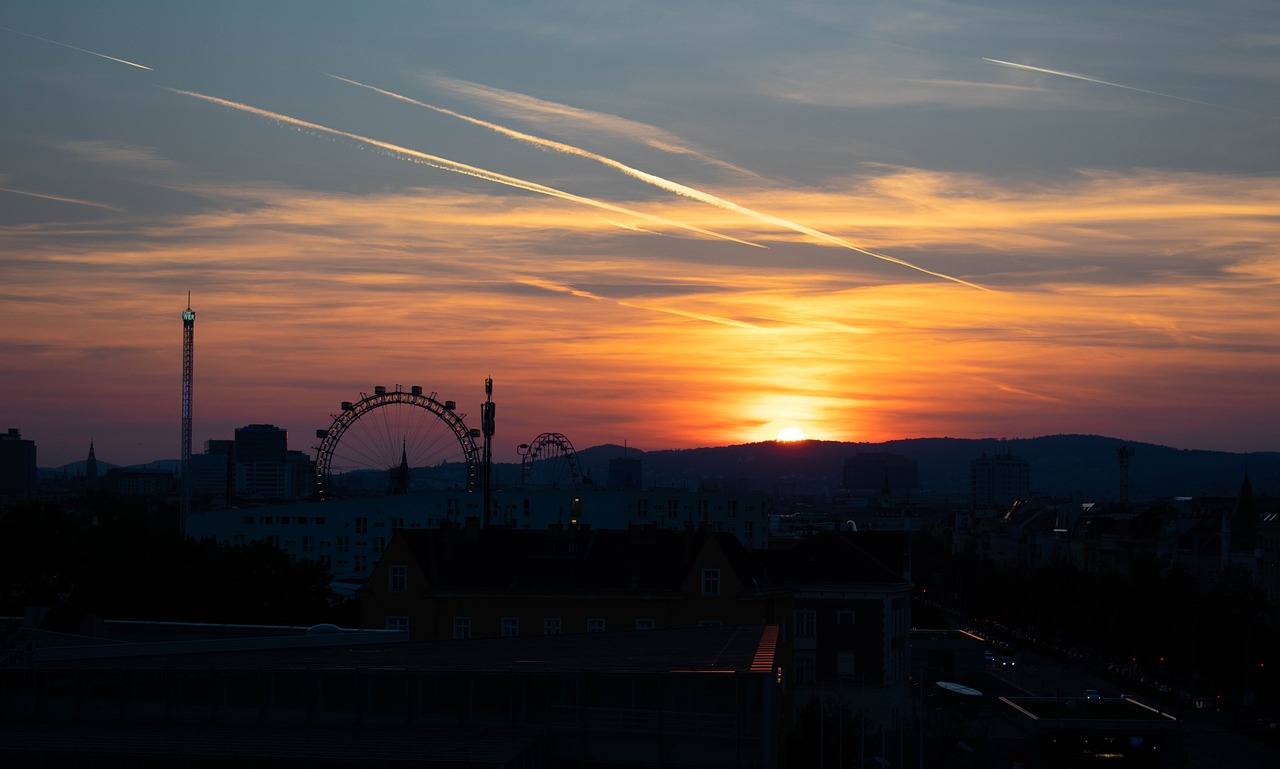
point(81, 50)
point(445, 164)
point(666, 184)
point(1088, 79)
point(77, 201)
point(548, 285)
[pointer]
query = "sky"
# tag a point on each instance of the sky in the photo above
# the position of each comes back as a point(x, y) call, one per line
point(663, 224)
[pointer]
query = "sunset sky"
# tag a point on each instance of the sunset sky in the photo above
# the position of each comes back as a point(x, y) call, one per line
point(661, 223)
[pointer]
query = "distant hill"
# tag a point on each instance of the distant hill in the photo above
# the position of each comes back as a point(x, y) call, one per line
point(1082, 467)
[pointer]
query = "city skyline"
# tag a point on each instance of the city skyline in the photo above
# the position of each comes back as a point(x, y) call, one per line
point(658, 225)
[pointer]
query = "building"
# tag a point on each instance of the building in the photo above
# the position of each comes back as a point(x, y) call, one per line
point(474, 582)
point(17, 466)
point(255, 467)
point(998, 481)
point(880, 474)
point(697, 697)
point(349, 534)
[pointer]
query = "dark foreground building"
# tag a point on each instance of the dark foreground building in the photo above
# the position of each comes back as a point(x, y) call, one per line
point(694, 697)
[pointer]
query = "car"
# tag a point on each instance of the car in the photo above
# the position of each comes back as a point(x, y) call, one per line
point(1007, 662)
point(1092, 694)
point(989, 656)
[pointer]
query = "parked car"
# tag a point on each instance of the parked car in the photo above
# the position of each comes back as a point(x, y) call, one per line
point(1092, 694)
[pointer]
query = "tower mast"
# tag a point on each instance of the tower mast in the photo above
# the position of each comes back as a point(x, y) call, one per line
point(188, 349)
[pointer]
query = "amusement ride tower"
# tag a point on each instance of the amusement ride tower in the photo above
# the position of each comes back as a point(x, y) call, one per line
point(188, 349)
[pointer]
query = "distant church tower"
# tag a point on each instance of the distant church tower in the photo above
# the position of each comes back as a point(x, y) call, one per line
point(91, 468)
point(398, 477)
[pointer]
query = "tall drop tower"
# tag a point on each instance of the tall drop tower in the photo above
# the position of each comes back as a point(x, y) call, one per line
point(188, 349)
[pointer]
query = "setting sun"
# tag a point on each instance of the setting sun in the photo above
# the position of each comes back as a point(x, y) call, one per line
point(788, 434)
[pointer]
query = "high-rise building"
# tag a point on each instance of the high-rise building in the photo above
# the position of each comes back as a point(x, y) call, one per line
point(889, 474)
point(17, 466)
point(998, 481)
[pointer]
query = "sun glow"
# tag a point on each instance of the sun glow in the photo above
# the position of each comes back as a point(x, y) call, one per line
point(789, 434)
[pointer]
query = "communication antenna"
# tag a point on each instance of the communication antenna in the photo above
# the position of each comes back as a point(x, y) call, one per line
point(486, 462)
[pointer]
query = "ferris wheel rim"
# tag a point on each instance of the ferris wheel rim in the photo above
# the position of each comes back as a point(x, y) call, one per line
point(382, 397)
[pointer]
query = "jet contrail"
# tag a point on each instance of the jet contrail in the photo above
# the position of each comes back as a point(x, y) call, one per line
point(548, 285)
point(666, 184)
point(1088, 79)
point(59, 199)
point(81, 50)
point(445, 164)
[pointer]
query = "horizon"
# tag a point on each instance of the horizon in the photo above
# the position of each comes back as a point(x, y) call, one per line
point(666, 225)
point(799, 442)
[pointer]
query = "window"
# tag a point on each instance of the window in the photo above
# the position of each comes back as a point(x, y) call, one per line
point(397, 622)
point(319, 521)
point(362, 564)
point(806, 669)
point(711, 582)
point(308, 544)
point(379, 543)
point(844, 664)
point(274, 540)
point(397, 578)
point(344, 544)
point(552, 626)
point(642, 508)
point(461, 627)
point(510, 626)
point(844, 618)
point(644, 624)
point(362, 525)
point(595, 625)
point(806, 623)
point(397, 523)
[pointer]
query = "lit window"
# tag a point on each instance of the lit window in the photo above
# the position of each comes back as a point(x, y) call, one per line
point(711, 582)
point(397, 579)
point(461, 627)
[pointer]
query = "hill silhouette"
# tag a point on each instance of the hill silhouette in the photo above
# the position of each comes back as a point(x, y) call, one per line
point(1082, 467)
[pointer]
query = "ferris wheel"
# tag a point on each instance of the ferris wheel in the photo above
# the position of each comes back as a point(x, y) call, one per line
point(549, 461)
point(392, 431)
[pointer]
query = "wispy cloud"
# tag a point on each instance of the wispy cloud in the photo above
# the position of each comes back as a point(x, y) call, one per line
point(445, 164)
point(541, 111)
point(683, 190)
